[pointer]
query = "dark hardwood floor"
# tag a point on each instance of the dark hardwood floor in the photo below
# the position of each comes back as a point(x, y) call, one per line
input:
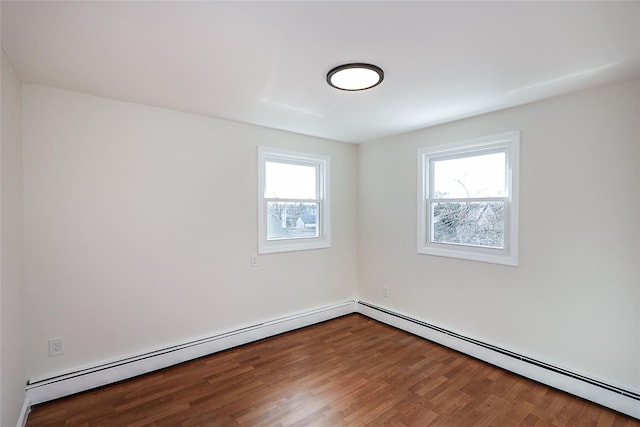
point(351, 371)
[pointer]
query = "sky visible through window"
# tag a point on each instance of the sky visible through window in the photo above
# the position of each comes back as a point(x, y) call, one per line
point(290, 181)
point(473, 176)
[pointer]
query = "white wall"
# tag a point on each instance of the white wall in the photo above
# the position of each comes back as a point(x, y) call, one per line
point(12, 371)
point(574, 300)
point(139, 224)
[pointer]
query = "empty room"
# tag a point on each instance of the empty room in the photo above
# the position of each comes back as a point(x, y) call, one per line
point(310, 213)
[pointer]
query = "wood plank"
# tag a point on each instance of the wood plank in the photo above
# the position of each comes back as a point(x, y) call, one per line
point(350, 371)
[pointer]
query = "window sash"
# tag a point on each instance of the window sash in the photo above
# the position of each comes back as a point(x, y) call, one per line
point(468, 199)
point(462, 153)
point(319, 228)
point(431, 221)
point(283, 200)
point(318, 190)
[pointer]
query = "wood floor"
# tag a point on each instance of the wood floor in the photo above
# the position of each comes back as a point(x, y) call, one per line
point(351, 371)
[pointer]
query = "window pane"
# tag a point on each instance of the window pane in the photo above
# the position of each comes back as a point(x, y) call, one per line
point(290, 181)
point(292, 220)
point(474, 176)
point(469, 223)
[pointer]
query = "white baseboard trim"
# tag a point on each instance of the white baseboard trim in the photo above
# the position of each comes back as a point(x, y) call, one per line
point(85, 379)
point(24, 413)
point(624, 401)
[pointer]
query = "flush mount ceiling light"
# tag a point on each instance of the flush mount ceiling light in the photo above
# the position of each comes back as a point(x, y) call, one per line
point(354, 77)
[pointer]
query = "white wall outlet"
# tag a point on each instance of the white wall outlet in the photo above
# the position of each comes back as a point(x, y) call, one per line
point(385, 291)
point(56, 346)
point(253, 260)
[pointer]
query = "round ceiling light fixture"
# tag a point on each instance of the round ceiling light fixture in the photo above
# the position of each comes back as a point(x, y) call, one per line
point(353, 77)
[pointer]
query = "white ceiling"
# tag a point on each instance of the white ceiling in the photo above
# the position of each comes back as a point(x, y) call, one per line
point(266, 62)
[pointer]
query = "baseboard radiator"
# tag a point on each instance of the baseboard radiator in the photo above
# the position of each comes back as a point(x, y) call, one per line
point(68, 383)
point(616, 398)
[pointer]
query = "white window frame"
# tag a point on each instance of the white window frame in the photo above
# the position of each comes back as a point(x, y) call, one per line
point(509, 143)
point(322, 165)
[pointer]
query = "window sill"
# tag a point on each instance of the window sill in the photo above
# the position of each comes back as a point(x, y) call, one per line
point(493, 256)
point(288, 246)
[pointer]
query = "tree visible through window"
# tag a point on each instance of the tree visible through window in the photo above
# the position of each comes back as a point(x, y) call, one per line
point(468, 199)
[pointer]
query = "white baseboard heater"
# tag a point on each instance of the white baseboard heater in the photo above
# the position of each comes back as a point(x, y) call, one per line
point(64, 384)
point(619, 399)
point(68, 383)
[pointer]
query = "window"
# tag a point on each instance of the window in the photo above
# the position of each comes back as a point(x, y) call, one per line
point(293, 205)
point(468, 199)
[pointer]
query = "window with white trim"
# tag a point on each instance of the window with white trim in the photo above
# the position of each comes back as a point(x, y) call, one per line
point(468, 199)
point(293, 201)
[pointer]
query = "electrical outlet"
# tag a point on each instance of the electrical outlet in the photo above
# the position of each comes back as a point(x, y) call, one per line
point(385, 291)
point(56, 347)
point(253, 260)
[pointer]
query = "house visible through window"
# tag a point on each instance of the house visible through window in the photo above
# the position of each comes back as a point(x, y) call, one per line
point(468, 199)
point(293, 206)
